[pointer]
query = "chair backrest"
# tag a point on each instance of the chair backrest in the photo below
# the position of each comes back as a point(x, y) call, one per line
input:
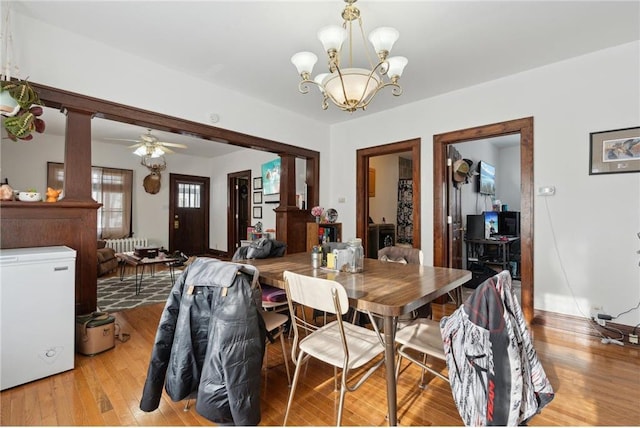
point(397, 253)
point(316, 293)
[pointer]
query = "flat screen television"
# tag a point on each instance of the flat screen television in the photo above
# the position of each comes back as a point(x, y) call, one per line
point(271, 177)
point(486, 179)
point(491, 223)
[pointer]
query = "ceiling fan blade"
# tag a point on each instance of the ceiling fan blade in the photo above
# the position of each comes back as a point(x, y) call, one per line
point(167, 150)
point(124, 139)
point(179, 145)
point(136, 145)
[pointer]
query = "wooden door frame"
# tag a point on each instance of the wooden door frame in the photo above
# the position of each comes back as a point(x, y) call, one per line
point(205, 204)
point(232, 222)
point(522, 126)
point(362, 184)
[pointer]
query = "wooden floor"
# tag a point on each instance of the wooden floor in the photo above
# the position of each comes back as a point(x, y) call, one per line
point(595, 384)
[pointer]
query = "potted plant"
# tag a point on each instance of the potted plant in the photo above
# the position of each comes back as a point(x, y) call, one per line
point(20, 103)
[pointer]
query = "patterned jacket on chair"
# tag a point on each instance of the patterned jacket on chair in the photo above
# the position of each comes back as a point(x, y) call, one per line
point(495, 375)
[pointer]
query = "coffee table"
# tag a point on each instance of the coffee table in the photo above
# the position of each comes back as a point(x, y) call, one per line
point(140, 263)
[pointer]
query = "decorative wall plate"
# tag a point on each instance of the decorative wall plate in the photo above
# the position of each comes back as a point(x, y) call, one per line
point(332, 215)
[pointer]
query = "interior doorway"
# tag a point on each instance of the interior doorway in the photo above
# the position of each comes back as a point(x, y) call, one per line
point(239, 205)
point(442, 237)
point(364, 186)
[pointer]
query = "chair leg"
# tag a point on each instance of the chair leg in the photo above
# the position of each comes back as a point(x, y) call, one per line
point(187, 405)
point(424, 361)
point(296, 374)
point(398, 363)
point(284, 355)
point(343, 390)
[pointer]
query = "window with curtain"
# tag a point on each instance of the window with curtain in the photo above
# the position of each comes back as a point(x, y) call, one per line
point(111, 187)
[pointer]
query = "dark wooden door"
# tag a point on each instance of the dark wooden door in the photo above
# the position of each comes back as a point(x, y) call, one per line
point(456, 230)
point(239, 197)
point(189, 214)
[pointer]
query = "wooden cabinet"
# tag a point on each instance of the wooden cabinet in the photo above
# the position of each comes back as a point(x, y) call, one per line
point(316, 232)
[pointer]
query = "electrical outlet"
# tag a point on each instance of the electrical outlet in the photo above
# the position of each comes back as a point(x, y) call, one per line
point(595, 310)
point(633, 338)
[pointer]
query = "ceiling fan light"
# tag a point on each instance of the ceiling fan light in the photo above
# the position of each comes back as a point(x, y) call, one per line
point(140, 151)
point(332, 37)
point(383, 38)
point(304, 62)
point(396, 66)
point(157, 152)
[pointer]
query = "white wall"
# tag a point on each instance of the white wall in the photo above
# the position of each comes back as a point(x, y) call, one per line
point(588, 229)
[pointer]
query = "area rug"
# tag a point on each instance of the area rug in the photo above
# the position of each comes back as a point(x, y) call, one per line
point(115, 295)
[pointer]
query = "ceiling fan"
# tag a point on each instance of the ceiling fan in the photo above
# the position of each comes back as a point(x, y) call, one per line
point(149, 145)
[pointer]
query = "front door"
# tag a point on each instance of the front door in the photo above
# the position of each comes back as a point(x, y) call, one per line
point(189, 214)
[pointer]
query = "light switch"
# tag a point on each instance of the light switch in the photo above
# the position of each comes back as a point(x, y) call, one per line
point(546, 191)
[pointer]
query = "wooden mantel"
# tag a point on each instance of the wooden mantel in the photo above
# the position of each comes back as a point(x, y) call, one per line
point(40, 224)
point(73, 220)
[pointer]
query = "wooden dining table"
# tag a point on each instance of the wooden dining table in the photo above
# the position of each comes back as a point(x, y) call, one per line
point(385, 289)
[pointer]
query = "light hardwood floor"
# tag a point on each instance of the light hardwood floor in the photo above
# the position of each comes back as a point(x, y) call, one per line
point(595, 384)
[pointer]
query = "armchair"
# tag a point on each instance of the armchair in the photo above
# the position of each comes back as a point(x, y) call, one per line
point(107, 260)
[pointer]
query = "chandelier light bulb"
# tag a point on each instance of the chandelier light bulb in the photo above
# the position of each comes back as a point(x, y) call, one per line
point(304, 62)
point(319, 79)
point(396, 66)
point(383, 38)
point(332, 37)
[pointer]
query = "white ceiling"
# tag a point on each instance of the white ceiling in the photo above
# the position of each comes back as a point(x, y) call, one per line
point(247, 45)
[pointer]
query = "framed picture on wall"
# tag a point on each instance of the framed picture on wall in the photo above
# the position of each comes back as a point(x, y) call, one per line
point(257, 183)
point(257, 197)
point(257, 212)
point(615, 151)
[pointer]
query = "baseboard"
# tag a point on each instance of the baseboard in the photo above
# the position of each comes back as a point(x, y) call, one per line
point(218, 254)
point(578, 325)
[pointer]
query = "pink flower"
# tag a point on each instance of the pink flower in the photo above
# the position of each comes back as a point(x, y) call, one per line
point(317, 211)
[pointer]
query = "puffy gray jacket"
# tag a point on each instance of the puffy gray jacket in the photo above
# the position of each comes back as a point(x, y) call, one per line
point(210, 340)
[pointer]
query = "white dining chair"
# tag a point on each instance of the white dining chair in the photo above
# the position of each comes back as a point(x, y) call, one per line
point(341, 344)
point(275, 324)
point(421, 335)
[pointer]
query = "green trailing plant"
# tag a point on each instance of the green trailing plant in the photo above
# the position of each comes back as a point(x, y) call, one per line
point(27, 119)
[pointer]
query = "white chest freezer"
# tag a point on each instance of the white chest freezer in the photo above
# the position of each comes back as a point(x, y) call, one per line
point(37, 321)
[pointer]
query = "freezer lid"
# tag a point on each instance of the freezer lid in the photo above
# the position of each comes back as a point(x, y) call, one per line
point(30, 254)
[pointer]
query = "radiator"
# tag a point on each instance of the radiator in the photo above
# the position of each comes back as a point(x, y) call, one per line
point(127, 244)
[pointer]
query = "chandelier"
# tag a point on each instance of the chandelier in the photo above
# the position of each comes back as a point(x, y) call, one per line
point(352, 88)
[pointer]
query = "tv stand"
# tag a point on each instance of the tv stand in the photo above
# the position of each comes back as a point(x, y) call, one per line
point(494, 253)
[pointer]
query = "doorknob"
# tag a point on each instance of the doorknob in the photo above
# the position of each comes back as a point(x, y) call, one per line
point(176, 223)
